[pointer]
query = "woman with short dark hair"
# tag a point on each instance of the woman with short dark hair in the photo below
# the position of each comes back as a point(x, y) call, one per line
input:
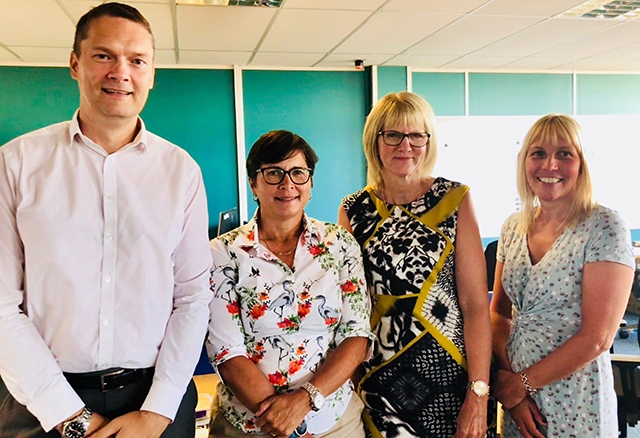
point(290, 313)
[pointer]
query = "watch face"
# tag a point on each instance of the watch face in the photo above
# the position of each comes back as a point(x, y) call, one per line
point(480, 388)
point(75, 429)
point(318, 401)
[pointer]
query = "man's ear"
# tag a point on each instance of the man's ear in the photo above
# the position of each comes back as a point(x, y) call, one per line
point(73, 65)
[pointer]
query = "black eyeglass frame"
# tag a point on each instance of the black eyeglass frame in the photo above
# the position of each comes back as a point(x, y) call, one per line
point(285, 173)
point(382, 133)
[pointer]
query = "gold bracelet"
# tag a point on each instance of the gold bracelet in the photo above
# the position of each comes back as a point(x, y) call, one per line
point(527, 385)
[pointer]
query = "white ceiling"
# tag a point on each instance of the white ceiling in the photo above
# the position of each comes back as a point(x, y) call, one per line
point(523, 35)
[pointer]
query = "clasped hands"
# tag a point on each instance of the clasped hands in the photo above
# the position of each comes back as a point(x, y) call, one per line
point(510, 391)
point(136, 424)
point(280, 414)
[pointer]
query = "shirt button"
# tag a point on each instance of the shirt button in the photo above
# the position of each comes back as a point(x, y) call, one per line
point(110, 197)
point(107, 279)
point(109, 237)
point(105, 322)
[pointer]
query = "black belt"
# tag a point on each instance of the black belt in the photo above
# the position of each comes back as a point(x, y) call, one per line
point(108, 380)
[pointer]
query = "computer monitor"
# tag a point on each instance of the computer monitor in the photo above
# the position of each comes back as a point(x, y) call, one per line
point(228, 221)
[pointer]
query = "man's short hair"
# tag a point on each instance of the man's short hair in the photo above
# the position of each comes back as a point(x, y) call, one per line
point(111, 9)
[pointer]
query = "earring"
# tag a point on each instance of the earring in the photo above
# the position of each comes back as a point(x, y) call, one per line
point(254, 197)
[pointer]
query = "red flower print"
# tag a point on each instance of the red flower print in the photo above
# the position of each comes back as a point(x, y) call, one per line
point(315, 250)
point(233, 308)
point(222, 354)
point(304, 309)
point(264, 296)
point(258, 310)
point(256, 357)
point(330, 321)
point(295, 366)
point(251, 235)
point(304, 295)
point(287, 323)
point(349, 287)
point(277, 379)
point(301, 350)
point(259, 346)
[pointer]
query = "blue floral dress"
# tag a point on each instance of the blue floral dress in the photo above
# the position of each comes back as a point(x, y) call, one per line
point(547, 300)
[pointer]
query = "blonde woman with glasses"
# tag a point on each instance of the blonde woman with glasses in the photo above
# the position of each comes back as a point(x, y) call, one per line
point(425, 270)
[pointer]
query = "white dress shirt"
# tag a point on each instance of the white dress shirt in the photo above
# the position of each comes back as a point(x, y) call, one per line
point(104, 262)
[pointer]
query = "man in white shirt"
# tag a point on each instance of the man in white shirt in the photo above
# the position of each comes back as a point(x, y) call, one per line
point(104, 258)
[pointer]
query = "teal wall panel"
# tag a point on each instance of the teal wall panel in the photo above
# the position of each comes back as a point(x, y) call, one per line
point(34, 97)
point(517, 94)
point(328, 110)
point(391, 80)
point(608, 94)
point(444, 91)
point(195, 110)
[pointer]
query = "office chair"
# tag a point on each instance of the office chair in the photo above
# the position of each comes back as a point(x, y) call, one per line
point(626, 377)
point(490, 259)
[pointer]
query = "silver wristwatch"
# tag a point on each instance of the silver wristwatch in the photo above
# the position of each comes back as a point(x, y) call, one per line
point(77, 427)
point(479, 387)
point(316, 399)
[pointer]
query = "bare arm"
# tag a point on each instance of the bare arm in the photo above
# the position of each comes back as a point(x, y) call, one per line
point(605, 292)
point(246, 381)
point(500, 320)
point(344, 220)
point(474, 302)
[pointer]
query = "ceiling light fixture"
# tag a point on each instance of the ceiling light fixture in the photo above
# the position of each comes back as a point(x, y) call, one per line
point(266, 3)
point(605, 9)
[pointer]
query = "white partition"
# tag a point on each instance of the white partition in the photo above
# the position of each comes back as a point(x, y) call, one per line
point(481, 152)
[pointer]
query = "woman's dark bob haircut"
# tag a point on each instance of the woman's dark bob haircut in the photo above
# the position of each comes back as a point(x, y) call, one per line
point(276, 146)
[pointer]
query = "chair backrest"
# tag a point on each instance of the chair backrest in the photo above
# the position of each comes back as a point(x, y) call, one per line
point(490, 259)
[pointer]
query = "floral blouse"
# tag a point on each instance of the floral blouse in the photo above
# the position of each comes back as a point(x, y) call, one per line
point(286, 320)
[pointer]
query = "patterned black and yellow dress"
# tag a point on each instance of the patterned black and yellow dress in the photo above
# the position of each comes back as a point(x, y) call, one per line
point(416, 381)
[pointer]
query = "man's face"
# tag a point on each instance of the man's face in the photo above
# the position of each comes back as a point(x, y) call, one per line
point(114, 70)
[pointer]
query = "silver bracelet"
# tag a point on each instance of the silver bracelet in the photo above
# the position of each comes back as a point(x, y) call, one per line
point(527, 385)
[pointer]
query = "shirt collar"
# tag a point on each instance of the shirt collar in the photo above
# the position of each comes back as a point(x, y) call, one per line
point(141, 140)
point(248, 238)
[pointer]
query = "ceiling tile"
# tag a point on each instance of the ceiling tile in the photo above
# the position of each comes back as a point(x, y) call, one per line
point(336, 5)
point(7, 56)
point(35, 23)
point(588, 64)
point(633, 66)
point(478, 62)
point(54, 55)
point(158, 15)
point(348, 59)
point(165, 57)
point(600, 42)
point(222, 28)
point(421, 61)
point(534, 63)
point(311, 30)
point(624, 54)
point(201, 57)
point(393, 32)
point(539, 8)
point(447, 6)
point(285, 59)
point(470, 33)
point(545, 35)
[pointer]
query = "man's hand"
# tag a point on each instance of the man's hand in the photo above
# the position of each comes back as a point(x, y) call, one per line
point(96, 423)
point(508, 388)
point(280, 415)
point(528, 418)
point(137, 424)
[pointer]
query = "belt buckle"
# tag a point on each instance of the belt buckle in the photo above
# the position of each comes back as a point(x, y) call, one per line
point(103, 382)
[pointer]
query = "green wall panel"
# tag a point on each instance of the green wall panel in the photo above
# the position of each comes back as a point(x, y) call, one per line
point(502, 94)
point(328, 110)
point(444, 91)
point(194, 109)
point(34, 97)
point(608, 94)
point(391, 80)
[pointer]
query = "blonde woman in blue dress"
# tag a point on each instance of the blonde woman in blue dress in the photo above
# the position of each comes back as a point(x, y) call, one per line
point(563, 277)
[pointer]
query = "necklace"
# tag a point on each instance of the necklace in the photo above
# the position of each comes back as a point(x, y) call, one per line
point(286, 253)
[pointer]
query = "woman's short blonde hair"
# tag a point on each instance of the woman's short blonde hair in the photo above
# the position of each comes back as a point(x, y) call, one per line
point(395, 109)
point(552, 129)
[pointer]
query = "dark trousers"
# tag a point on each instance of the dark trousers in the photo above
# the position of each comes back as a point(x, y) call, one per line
point(17, 422)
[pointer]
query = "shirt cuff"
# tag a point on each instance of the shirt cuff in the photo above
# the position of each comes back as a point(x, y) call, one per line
point(55, 405)
point(164, 399)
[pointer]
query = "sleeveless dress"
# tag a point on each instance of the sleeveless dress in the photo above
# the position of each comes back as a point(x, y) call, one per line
point(547, 300)
point(415, 383)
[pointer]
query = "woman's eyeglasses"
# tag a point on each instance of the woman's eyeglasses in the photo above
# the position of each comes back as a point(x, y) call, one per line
point(394, 138)
point(275, 175)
